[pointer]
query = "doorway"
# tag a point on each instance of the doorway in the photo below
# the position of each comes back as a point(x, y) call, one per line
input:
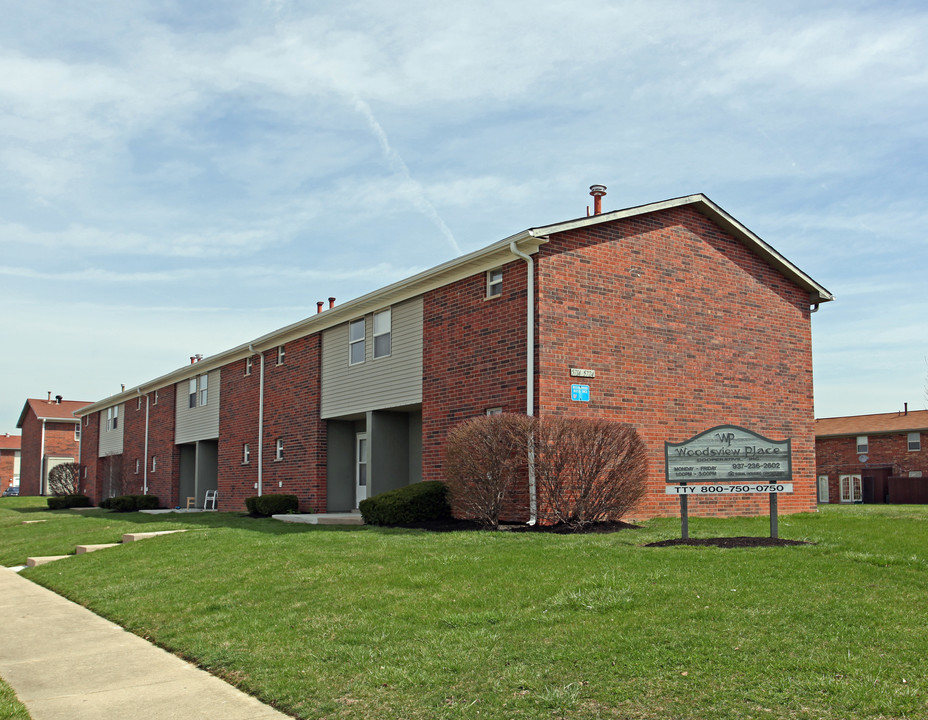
point(360, 467)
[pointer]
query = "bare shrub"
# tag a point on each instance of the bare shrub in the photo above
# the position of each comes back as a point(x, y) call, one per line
point(64, 479)
point(483, 458)
point(588, 470)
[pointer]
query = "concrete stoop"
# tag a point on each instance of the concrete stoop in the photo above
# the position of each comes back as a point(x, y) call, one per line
point(83, 549)
point(346, 518)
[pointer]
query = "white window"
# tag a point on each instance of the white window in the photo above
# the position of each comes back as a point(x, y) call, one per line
point(246, 454)
point(85, 472)
point(87, 420)
point(77, 433)
point(823, 488)
point(138, 403)
point(495, 411)
point(192, 392)
point(382, 327)
point(915, 441)
point(248, 364)
point(198, 391)
point(863, 445)
point(138, 465)
point(155, 402)
point(112, 418)
point(280, 450)
point(915, 473)
point(154, 463)
point(494, 282)
point(280, 354)
point(356, 331)
point(204, 389)
point(851, 489)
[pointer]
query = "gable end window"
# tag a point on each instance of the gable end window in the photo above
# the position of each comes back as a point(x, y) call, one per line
point(382, 333)
point(280, 354)
point(204, 386)
point(112, 418)
point(77, 433)
point(137, 466)
point(279, 455)
point(356, 332)
point(192, 392)
point(248, 364)
point(246, 454)
point(154, 463)
point(863, 445)
point(494, 282)
point(198, 391)
point(155, 402)
point(915, 441)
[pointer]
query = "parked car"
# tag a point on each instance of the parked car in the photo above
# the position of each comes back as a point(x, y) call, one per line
point(11, 491)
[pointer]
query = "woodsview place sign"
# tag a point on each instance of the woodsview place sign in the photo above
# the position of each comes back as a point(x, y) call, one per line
point(728, 460)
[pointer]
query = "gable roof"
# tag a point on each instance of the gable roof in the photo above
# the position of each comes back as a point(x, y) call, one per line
point(879, 424)
point(492, 256)
point(10, 442)
point(51, 410)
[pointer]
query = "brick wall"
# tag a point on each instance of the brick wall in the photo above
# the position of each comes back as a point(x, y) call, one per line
point(90, 463)
point(686, 330)
point(7, 463)
point(836, 456)
point(59, 442)
point(291, 413)
point(473, 360)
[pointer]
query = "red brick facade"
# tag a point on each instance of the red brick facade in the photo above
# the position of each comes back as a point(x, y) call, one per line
point(57, 440)
point(291, 414)
point(685, 328)
point(9, 454)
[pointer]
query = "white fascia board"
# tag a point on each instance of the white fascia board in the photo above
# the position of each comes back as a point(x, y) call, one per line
point(707, 208)
point(459, 268)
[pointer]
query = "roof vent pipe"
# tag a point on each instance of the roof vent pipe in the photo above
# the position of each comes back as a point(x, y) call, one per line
point(331, 303)
point(906, 406)
point(58, 399)
point(597, 191)
point(319, 304)
point(49, 397)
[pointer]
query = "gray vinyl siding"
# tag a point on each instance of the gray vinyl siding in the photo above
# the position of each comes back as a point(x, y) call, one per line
point(388, 382)
point(111, 440)
point(201, 422)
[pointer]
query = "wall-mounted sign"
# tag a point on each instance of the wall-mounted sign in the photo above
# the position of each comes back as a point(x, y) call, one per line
point(750, 488)
point(580, 372)
point(728, 453)
point(580, 393)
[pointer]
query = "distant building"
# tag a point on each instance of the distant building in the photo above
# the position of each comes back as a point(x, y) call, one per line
point(873, 458)
point(672, 317)
point(51, 436)
point(9, 461)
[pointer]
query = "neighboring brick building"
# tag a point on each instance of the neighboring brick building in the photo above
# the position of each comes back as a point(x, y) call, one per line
point(687, 319)
point(873, 458)
point(51, 436)
point(9, 461)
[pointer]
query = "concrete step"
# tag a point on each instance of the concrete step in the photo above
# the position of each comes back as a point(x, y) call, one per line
point(42, 560)
point(132, 537)
point(81, 549)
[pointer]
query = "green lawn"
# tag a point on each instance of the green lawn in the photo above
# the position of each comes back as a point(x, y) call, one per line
point(10, 706)
point(368, 623)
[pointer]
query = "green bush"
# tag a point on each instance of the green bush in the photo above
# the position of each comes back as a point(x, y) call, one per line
point(413, 503)
point(267, 505)
point(131, 503)
point(62, 502)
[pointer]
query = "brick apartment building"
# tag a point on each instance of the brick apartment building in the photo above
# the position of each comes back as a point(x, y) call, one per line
point(51, 436)
point(685, 317)
point(9, 461)
point(873, 458)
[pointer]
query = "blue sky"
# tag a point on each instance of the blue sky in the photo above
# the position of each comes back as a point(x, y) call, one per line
point(178, 178)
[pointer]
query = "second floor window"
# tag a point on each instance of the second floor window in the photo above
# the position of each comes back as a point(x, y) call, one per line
point(382, 333)
point(198, 391)
point(356, 350)
point(112, 418)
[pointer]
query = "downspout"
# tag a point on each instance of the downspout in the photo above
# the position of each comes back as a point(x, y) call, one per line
point(260, 421)
point(145, 459)
point(42, 487)
point(529, 374)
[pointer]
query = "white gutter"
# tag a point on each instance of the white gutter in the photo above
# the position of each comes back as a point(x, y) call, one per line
point(145, 459)
point(42, 462)
point(251, 347)
point(529, 374)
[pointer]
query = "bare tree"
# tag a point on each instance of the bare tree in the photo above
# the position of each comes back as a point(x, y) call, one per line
point(483, 458)
point(588, 470)
point(64, 479)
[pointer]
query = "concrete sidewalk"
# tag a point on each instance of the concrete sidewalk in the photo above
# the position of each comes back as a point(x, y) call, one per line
point(65, 663)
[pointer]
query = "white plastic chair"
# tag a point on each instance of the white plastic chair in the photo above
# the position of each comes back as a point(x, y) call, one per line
point(211, 497)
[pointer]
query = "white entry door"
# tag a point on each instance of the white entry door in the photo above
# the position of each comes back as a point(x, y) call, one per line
point(360, 465)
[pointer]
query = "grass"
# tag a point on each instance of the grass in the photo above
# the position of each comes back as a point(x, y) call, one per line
point(10, 706)
point(373, 623)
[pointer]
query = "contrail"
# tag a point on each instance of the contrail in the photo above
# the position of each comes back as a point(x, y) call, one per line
point(420, 202)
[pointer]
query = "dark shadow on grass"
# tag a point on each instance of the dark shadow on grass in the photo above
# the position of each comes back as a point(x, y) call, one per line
point(730, 542)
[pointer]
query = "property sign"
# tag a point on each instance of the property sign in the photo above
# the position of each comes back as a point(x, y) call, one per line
point(731, 454)
point(728, 489)
point(581, 372)
point(580, 393)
